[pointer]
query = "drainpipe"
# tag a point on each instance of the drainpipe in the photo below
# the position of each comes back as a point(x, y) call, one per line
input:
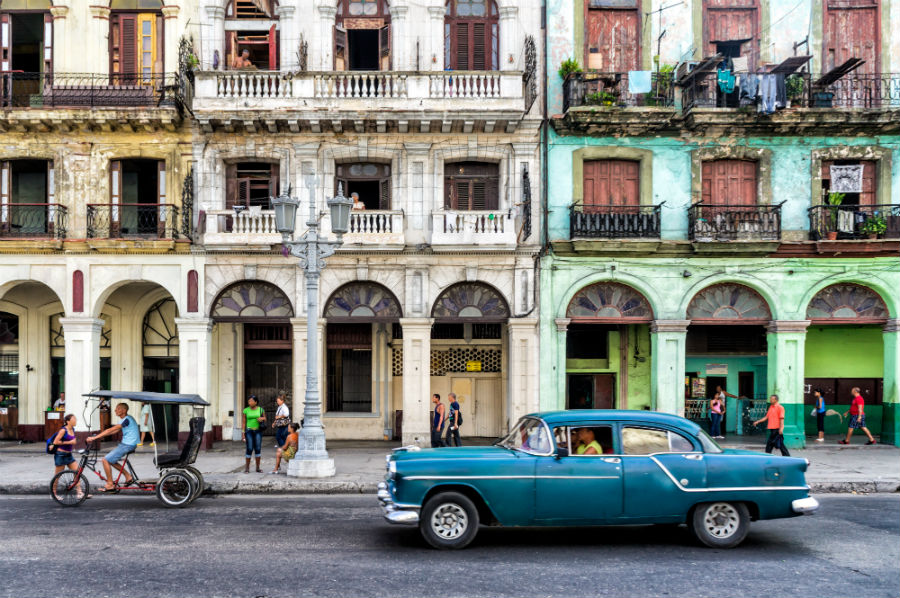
point(544, 133)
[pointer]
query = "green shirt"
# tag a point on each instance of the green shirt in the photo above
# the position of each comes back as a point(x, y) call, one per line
point(596, 446)
point(253, 416)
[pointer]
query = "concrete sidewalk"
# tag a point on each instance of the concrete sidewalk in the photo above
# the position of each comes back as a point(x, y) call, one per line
point(27, 469)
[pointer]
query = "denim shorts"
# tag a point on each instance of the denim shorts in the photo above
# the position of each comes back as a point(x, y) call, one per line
point(63, 458)
point(858, 421)
point(119, 452)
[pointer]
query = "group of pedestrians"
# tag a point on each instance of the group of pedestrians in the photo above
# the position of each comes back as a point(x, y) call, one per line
point(286, 433)
point(452, 419)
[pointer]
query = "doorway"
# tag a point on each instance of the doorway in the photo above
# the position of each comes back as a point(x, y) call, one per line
point(268, 373)
point(363, 49)
point(591, 391)
point(161, 375)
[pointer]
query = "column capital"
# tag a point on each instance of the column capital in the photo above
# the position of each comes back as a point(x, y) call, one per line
point(508, 12)
point(99, 12)
point(170, 11)
point(327, 11)
point(522, 323)
point(307, 150)
point(59, 12)
point(779, 326)
point(285, 11)
point(669, 326)
point(298, 323)
point(81, 324)
point(398, 12)
point(562, 324)
point(417, 149)
point(215, 12)
point(194, 324)
point(416, 324)
point(437, 12)
point(892, 325)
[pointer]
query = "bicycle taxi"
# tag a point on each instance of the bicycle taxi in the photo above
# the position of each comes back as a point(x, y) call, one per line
point(179, 482)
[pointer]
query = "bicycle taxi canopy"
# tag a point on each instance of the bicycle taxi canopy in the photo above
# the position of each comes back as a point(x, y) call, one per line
point(154, 398)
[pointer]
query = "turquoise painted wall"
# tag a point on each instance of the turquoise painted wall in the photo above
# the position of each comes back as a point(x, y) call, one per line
point(755, 364)
point(844, 352)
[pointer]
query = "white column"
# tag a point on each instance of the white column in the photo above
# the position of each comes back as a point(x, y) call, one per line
point(890, 419)
point(289, 41)
point(523, 363)
point(509, 39)
point(60, 33)
point(171, 36)
point(82, 366)
point(416, 380)
point(402, 55)
point(194, 336)
point(433, 41)
point(213, 37)
point(325, 43)
point(667, 346)
point(92, 54)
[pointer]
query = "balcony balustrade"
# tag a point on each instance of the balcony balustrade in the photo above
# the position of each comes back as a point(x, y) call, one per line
point(79, 90)
point(708, 223)
point(132, 221)
point(615, 222)
point(849, 222)
point(482, 227)
point(375, 227)
point(593, 88)
point(33, 221)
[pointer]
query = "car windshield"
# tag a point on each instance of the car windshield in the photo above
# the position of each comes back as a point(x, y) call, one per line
point(529, 435)
point(709, 445)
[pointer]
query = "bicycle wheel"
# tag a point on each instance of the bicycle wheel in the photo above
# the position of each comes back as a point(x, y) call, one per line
point(198, 479)
point(68, 491)
point(175, 488)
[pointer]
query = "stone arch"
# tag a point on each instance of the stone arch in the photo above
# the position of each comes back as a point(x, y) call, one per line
point(247, 299)
point(728, 302)
point(473, 301)
point(847, 303)
point(875, 285)
point(624, 279)
point(11, 284)
point(611, 302)
point(98, 298)
point(362, 301)
point(756, 285)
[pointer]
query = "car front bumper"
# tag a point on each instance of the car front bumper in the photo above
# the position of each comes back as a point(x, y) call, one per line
point(804, 505)
point(393, 514)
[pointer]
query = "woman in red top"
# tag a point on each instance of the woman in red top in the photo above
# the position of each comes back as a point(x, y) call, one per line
point(857, 417)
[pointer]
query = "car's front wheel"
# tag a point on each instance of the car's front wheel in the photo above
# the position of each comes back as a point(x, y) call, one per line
point(449, 520)
point(720, 524)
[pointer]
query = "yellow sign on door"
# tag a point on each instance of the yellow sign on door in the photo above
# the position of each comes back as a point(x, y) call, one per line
point(473, 366)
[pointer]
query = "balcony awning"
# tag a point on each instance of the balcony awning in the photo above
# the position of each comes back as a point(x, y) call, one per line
point(838, 72)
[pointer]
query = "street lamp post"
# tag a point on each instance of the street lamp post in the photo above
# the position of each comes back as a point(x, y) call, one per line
point(312, 460)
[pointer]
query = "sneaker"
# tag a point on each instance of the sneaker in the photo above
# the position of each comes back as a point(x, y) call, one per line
point(273, 472)
point(152, 444)
point(820, 440)
point(843, 442)
point(871, 442)
point(140, 444)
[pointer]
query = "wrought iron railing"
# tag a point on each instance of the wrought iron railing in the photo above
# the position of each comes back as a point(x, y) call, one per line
point(74, 90)
point(844, 222)
point(734, 222)
point(748, 411)
point(615, 222)
point(850, 91)
point(132, 221)
point(593, 88)
point(33, 220)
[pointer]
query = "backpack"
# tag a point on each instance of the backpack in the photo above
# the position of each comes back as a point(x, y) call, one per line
point(51, 448)
point(458, 418)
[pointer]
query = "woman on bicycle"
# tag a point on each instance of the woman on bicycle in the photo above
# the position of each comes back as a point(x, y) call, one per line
point(65, 441)
point(253, 414)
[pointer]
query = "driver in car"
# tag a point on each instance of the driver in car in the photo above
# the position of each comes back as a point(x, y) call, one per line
point(130, 437)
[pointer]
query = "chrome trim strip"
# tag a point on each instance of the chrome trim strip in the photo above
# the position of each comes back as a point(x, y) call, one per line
point(515, 477)
point(804, 505)
point(733, 489)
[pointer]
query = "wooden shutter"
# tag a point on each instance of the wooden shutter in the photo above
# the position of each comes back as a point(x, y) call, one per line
point(340, 48)
point(273, 49)
point(48, 43)
point(384, 48)
point(611, 183)
point(729, 182)
point(463, 198)
point(384, 199)
point(273, 181)
point(145, 45)
point(461, 55)
point(449, 194)
point(5, 42)
point(115, 198)
point(5, 190)
point(230, 49)
point(123, 45)
point(161, 182)
point(732, 20)
point(868, 195)
point(851, 30)
point(480, 46)
point(612, 40)
point(230, 185)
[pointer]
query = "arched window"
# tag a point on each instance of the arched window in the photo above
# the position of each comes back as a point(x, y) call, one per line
point(251, 299)
point(847, 303)
point(471, 35)
point(609, 301)
point(160, 334)
point(362, 36)
point(729, 303)
point(249, 44)
point(362, 301)
point(473, 301)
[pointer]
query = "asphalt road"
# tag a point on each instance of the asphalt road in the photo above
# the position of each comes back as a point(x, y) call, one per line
point(339, 546)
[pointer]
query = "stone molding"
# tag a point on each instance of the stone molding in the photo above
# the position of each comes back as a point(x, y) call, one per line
point(562, 324)
point(508, 12)
point(59, 12)
point(524, 323)
point(327, 12)
point(285, 11)
point(215, 12)
point(194, 325)
point(437, 12)
point(82, 324)
point(398, 12)
point(780, 326)
point(100, 12)
point(657, 326)
point(170, 11)
point(892, 325)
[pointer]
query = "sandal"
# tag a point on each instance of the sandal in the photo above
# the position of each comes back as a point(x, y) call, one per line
point(843, 442)
point(105, 490)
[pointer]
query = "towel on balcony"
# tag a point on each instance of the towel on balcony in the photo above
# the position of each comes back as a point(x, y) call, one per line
point(726, 81)
point(845, 221)
point(739, 64)
point(846, 178)
point(639, 82)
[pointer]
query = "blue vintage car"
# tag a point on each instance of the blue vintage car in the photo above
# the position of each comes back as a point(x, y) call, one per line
point(593, 467)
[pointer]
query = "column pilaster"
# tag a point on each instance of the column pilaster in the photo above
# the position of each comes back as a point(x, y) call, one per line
point(509, 38)
point(667, 345)
point(326, 39)
point(82, 339)
point(523, 363)
point(434, 57)
point(890, 419)
point(215, 16)
point(416, 380)
point(786, 360)
point(290, 41)
point(557, 399)
point(194, 341)
point(399, 53)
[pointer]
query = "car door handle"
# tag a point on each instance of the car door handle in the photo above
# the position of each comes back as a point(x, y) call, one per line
point(694, 457)
point(612, 459)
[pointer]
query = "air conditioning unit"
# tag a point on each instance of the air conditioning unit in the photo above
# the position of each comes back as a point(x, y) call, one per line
point(684, 68)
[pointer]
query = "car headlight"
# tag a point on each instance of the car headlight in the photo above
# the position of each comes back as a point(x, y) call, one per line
point(392, 469)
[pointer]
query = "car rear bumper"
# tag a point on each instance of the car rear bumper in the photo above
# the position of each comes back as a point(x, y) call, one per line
point(804, 505)
point(393, 514)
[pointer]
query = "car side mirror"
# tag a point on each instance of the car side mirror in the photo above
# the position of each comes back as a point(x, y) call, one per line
point(562, 452)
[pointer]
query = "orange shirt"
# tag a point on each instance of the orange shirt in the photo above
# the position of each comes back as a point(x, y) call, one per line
point(775, 415)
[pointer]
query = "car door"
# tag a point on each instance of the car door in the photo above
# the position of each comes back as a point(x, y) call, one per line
point(579, 489)
point(663, 470)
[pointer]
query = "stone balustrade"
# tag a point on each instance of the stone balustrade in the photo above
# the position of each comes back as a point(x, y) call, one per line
point(482, 227)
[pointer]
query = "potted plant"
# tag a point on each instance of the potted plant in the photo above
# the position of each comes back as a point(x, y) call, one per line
point(874, 226)
point(794, 87)
point(569, 66)
point(600, 98)
point(834, 201)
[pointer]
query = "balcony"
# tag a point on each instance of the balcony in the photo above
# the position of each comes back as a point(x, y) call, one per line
point(33, 221)
point(360, 100)
point(133, 221)
point(252, 228)
point(854, 222)
point(707, 223)
point(490, 229)
point(35, 101)
point(383, 228)
point(615, 222)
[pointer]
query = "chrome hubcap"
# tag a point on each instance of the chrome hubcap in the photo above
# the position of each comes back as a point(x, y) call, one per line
point(449, 521)
point(721, 520)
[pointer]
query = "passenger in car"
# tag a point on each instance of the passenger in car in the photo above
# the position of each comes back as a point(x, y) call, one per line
point(588, 444)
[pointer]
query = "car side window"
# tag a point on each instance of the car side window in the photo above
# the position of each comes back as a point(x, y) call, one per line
point(645, 441)
point(584, 441)
point(679, 444)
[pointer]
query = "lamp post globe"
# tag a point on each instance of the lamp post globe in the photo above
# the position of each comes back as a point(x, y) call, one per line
point(285, 208)
point(340, 212)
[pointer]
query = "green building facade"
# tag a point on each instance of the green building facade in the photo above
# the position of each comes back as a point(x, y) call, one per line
point(694, 242)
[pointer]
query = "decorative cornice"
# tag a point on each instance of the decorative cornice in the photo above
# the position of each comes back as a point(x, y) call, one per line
point(398, 12)
point(777, 326)
point(562, 324)
point(59, 11)
point(327, 12)
point(437, 12)
point(193, 325)
point(892, 325)
point(215, 12)
point(285, 11)
point(99, 12)
point(669, 326)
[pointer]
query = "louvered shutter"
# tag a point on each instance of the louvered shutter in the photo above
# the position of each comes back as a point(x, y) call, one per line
point(462, 47)
point(463, 197)
point(384, 47)
point(273, 49)
point(115, 196)
point(479, 194)
point(492, 194)
point(340, 48)
point(706, 183)
point(274, 173)
point(5, 186)
point(5, 42)
point(449, 194)
point(480, 46)
point(230, 185)
point(384, 200)
point(48, 43)
point(243, 193)
point(123, 45)
point(867, 197)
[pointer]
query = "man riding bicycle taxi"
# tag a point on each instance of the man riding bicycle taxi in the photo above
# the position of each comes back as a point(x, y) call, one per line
point(130, 437)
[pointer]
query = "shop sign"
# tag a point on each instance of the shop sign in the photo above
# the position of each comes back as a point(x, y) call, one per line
point(716, 369)
point(473, 366)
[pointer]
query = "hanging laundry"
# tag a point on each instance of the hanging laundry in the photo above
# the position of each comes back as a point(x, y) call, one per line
point(749, 85)
point(639, 82)
point(845, 221)
point(780, 92)
point(740, 64)
point(726, 81)
point(767, 93)
point(847, 178)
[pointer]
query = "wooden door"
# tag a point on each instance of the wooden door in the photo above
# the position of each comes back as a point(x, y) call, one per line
point(486, 410)
point(729, 182)
point(732, 20)
point(605, 391)
point(612, 39)
point(852, 30)
point(611, 183)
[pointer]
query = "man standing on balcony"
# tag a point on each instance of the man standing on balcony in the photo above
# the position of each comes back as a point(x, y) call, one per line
point(242, 61)
point(357, 204)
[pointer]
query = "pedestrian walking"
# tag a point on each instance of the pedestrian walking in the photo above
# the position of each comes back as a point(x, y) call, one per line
point(716, 411)
point(252, 435)
point(145, 422)
point(819, 410)
point(454, 420)
point(282, 421)
point(775, 424)
point(857, 417)
point(289, 448)
point(437, 421)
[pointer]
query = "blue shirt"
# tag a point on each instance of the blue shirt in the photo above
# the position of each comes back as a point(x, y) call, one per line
point(130, 433)
point(820, 404)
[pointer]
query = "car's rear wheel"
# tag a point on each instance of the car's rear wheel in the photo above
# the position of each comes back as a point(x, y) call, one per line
point(720, 524)
point(449, 520)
